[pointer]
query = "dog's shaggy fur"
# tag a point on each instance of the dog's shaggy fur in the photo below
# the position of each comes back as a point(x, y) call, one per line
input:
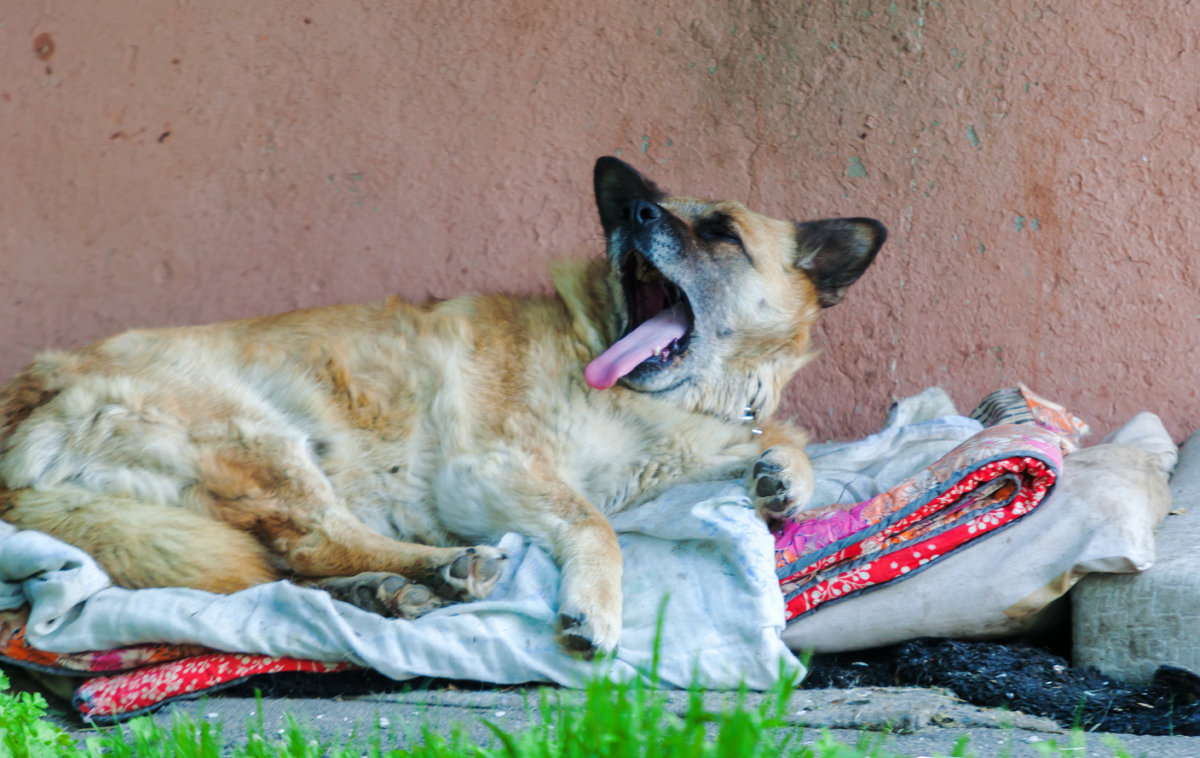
point(376, 449)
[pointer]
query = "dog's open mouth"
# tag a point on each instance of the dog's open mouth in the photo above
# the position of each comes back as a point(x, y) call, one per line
point(660, 325)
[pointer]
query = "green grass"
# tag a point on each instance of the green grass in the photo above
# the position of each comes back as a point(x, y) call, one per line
point(24, 731)
point(607, 720)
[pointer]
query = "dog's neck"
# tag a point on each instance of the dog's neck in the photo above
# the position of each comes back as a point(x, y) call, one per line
point(750, 416)
point(582, 286)
point(749, 402)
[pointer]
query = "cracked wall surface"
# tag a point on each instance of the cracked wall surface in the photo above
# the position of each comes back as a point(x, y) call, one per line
point(1035, 162)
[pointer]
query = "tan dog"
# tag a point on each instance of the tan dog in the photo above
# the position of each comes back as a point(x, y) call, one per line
point(365, 448)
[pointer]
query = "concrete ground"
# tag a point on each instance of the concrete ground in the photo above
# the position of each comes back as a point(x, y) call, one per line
point(908, 721)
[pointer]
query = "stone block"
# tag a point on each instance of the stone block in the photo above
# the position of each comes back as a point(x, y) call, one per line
point(1127, 625)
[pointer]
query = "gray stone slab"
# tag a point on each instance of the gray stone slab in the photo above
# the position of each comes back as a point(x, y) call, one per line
point(906, 721)
point(1127, 625)
point(897, 709)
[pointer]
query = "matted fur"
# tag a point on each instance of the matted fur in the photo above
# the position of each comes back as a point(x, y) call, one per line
point(392, 438)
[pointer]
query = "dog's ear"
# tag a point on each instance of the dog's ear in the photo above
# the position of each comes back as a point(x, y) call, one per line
point(835, 252)
point(617, 185)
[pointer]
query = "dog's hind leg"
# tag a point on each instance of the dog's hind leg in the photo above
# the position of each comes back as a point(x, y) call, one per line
point(140, 544)
point(339, 545)
point(271, 487)
point(143, 545)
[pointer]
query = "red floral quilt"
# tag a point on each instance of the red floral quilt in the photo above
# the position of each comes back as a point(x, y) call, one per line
point(991, 480)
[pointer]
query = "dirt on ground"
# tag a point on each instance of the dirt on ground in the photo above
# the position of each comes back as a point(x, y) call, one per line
point(1023, 678)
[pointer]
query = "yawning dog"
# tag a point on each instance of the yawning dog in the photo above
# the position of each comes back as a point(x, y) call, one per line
point(375, 450)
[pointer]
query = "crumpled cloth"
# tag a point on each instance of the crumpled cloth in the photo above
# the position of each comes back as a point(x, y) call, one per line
point(919, 430)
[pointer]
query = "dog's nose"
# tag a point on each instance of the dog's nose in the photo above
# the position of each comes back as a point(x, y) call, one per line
point(641, 212)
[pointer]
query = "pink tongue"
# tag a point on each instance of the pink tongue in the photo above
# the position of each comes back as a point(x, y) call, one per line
point(626, 353)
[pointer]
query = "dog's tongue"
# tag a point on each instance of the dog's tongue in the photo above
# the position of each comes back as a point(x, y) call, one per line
point(626, 353)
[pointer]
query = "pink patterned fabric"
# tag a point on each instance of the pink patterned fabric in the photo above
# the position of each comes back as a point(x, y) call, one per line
point(126, 681)
point(14, 649)
point(106, 699)
point(989, 481)
point(1050, 415)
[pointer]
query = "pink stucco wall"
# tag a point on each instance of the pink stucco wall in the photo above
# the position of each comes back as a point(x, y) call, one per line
point(168, 163)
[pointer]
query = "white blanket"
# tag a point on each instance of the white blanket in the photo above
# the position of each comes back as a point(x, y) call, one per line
point(698, 553)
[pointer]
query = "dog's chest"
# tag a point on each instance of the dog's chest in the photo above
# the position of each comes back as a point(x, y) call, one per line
point(616, 459)
point(477, 431)
point(416, 488)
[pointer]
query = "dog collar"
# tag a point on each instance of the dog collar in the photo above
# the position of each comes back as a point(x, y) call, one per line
point(749, 416)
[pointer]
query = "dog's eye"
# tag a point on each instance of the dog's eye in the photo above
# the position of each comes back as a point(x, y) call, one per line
point(719, 233)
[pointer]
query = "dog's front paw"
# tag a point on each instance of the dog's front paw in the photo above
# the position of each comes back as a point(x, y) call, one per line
point(585, 633)
point(471, 574)
point(781, 483)
point(589, 614)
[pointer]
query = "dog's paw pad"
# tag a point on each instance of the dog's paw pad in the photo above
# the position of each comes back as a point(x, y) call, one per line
point(406, 599)
point(775, 490)
point(764, 467)
point(769, 485)
point(575, 636)
point(474, 573)
point(585, 636)
point(383, 593)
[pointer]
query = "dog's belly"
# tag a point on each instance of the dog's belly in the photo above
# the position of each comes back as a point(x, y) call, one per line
point(388, 486)
point(422, 488)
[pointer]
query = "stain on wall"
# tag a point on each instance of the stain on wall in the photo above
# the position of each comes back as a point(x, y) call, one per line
point(1035, 162)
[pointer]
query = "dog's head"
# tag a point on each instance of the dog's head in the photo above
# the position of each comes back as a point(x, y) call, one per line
point(712, 302)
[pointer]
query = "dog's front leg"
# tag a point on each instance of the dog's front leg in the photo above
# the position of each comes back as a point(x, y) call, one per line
point(589, 598)
point(506, 490)
point(781, 480)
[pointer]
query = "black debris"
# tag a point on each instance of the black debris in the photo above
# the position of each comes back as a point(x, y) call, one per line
point(1023, 678)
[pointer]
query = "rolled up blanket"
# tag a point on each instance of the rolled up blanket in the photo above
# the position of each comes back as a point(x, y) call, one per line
point(832, 553)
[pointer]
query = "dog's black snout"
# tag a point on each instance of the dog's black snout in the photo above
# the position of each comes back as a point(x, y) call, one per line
point(641, 212)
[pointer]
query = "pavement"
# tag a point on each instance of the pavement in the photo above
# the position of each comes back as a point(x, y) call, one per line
point(1126, 625)
point(908, 721)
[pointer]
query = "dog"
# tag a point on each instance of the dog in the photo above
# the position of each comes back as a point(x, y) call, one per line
point(375, 450)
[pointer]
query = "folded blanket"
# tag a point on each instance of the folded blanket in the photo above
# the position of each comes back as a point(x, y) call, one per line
point(1100, 517)
point(127, 681)
point(15, 648)
point(833, 553)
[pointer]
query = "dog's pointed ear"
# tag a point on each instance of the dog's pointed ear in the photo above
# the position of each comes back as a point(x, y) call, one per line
point(617, 184)
point(835, 252)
